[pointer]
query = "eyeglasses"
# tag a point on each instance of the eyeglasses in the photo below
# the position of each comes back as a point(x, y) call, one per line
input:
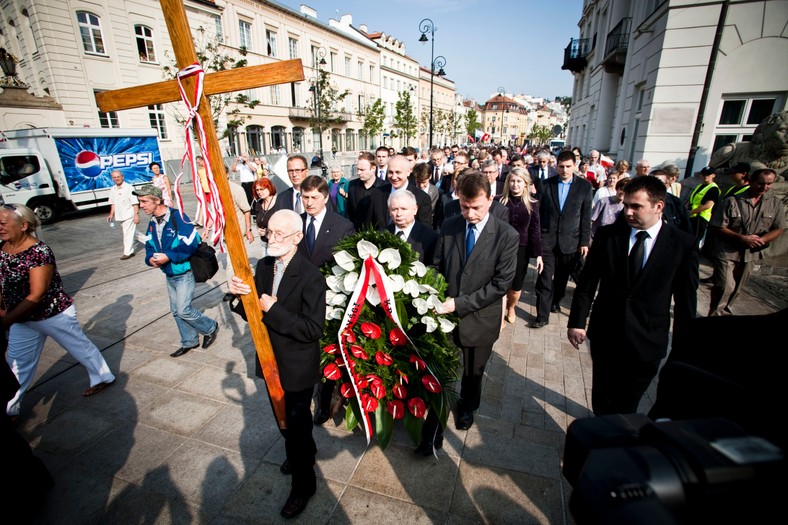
point(279, 236)
point(299, 170)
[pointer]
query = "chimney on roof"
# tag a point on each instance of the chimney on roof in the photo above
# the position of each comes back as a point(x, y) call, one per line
point(363, 28)
point(308, 11)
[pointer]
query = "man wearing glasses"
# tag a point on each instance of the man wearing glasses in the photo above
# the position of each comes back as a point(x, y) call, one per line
point(290, 199)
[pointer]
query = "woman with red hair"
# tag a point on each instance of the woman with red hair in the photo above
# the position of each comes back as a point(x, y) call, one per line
point(264, 193)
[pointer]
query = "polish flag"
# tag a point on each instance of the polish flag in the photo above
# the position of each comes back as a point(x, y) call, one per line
point(485, 137)
point(606, 161)
point(471, 139)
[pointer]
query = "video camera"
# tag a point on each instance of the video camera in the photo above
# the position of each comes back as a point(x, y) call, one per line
point(628, 469)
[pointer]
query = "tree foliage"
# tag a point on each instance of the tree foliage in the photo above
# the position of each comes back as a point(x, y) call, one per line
point(213, 56)
point(405, 118)
point(324, 102)
point(540, 135)
point(472, 122)
point(374, 114)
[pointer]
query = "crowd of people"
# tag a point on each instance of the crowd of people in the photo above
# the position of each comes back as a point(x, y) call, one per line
point(479, 216)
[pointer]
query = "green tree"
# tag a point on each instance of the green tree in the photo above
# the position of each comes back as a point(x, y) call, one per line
point(324, 102)
point(405, 118)
point(540, 135)
point(374, 114)
point(472, 122)
point(212, 55)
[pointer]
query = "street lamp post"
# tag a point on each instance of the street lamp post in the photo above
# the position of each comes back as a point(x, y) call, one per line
point(320, 60)
point(502, 94)
point(427, 26)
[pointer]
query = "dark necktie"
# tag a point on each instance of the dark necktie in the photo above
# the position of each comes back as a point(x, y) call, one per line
point(637, 254)
point(470, 240)
point(401, 234)
point(542, 176)
point(310, 235)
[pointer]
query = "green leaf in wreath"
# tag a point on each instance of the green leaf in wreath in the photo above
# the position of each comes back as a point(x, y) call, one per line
point(352, 416)
point(384, 425)
point(413, 425)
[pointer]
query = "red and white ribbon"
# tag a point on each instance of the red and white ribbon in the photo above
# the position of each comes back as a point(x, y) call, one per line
point(370, 270)
point(209, 205)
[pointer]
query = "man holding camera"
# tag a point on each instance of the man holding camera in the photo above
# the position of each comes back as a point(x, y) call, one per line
point(247, 173)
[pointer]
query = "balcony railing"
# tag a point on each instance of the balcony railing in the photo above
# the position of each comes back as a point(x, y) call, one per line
point(300, 113)
point(575, 55)
point(306, 114)
point(616, 46)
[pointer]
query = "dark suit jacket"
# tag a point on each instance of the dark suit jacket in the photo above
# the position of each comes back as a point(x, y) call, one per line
point(424, 213)
point(333, 229)
point(365, 208)
point(571, 228)
point(295, 322)
point(498, 210)
point(422, 239)
point(534, 171)
point(478, 284)
point(633, 318)
point(284, 201)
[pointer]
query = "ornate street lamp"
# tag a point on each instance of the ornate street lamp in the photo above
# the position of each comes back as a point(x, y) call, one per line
point(427, 26)
point(502, 94)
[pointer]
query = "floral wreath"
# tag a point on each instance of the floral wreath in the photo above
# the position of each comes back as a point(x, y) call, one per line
point(384, 341)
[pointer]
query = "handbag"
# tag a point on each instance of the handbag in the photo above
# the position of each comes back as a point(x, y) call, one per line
point(203, 261)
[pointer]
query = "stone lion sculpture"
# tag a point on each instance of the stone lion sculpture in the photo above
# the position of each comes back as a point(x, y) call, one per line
point(768, 148)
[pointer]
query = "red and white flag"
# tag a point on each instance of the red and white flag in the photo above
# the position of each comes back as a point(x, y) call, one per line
point(471, 139)
point(485, 137)
point(606, 161)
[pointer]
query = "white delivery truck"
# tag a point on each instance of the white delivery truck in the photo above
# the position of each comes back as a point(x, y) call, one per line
point(57, 170)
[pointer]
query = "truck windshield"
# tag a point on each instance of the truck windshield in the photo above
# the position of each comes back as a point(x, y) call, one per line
point(16, 167)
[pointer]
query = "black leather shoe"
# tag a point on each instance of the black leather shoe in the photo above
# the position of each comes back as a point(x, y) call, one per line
point(210, 338)
point(285, 469)
point(182, 350)
point(556, 309)
point(425, 448)
point(465, 422)
point(295, 505)
point(321, 417)
point(539, 324)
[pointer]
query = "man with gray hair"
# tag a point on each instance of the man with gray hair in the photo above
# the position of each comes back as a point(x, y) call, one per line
point(542, 170)
point(600, 173)
point(641, 168)
point(125, 209)
point(402, 209)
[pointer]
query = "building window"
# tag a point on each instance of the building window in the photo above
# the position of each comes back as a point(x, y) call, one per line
point(292, 44)
point(232, 141)
point(145, 47)
point(278, 135)
point(333, 62)
point(372, 73)
point(349, 140)
point(156, 116)
point(219, 30)
point(347, 66)
point(361, 70)
point(740, 115)
point(298, 140)
point(109, 119)
point(275, 101)
point(270, 39)
point(245, 31)
point(90, 30)
point(254, 140)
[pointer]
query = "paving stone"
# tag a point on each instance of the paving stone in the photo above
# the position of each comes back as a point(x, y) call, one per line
point(179, 413)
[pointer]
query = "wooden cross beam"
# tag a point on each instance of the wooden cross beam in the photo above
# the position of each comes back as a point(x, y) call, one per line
point(221, 82)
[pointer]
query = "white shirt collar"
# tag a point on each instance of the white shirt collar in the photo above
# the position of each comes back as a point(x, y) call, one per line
point(405, 231)
point(318, 221)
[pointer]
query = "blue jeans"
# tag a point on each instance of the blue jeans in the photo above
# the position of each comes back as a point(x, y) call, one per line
point(191, 322)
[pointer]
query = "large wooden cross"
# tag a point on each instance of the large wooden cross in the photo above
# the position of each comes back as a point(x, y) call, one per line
point(220, 82)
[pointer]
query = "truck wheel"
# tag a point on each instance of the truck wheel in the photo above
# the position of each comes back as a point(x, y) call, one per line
point(44, 211)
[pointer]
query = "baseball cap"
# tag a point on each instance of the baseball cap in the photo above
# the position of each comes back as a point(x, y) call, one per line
point(708, 170)
point(148, 189)
point(741, 167)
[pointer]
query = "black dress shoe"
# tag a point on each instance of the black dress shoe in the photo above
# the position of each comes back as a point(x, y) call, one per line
point(321, 417)
point(465, 422)
point(285, 469)
point(182, 350)
point(210, 338)
point(295, 505)
point(539, 324)
point(556, 309)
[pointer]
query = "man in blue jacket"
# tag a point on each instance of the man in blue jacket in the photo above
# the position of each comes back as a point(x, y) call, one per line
point(169, 244)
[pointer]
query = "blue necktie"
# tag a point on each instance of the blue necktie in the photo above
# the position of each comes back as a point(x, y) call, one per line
point(310, 235)
point(470, 240)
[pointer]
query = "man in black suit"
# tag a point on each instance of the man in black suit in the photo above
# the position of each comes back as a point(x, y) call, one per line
point(399, 179)
point(638, 265)
point(290, 199)
point(565, 218)
point(499, 157)
point(323, 229)
point(382, 160)
point(477, 254)
point(542, 170)
point(490, 170)
point(403, 208)
point(364, 207)
point(293, 299)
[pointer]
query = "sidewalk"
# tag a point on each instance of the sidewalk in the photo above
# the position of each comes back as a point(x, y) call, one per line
point(192, 440)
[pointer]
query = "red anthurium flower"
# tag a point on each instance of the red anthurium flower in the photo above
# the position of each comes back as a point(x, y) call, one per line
point(396, 408)
point(361, 383)
point(431, 384)
point(346, 390)
point(331, 349)
point(370, 330)
point(369, 403)
point(399, 391)
point(349, 336)
point(418, 362)
point(383, 359)
point(417, 406)
point(403, 376)
point(397, 337)
point(339, 361)
point(358, 352)
point(331, 371)
point(373, 378)
point(378, 390)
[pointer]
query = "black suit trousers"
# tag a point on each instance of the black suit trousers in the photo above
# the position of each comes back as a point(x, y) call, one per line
point(299, 443)
point(618, 384)
point(551, 283)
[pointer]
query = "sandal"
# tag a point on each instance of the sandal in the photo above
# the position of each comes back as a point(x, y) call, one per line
point(511, 318)
point(92, 391)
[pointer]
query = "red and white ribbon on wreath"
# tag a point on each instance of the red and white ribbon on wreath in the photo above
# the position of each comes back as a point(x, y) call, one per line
point(209, 205)
point(370, 270)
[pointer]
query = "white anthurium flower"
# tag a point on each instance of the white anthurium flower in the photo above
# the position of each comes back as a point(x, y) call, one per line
point(391, 258)
point(429, 289)
point(434, 302)
point(337, 299)
point(417, 268)
point(396, 282)
point(338, 270)
point(411, 288)
point(430, 323)
point(335, 313)
point(366, 248)
point(421, 306)
point(349, 282)
point(373, 296)
point(345, 261)
point(446, 325)
point(335, 282)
